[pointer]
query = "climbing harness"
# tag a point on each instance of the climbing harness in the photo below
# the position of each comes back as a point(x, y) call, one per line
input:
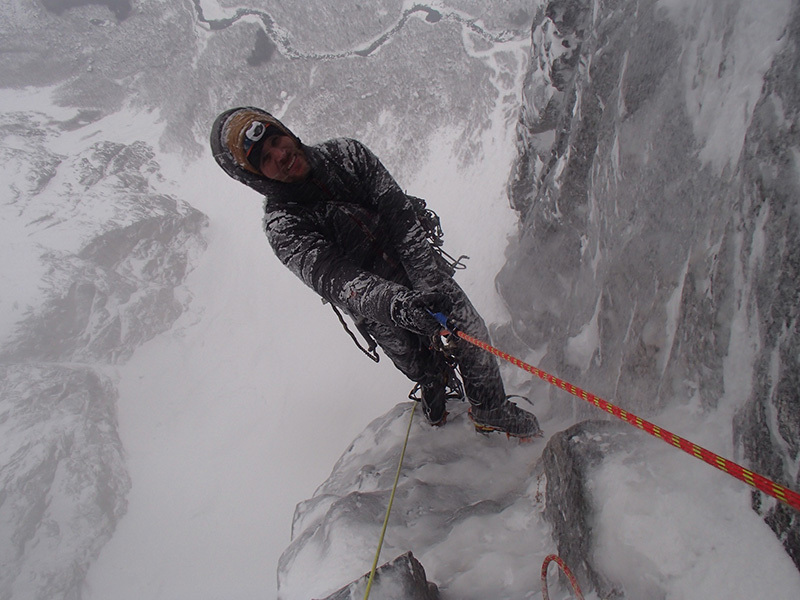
point(431, 225)
point(776, 490)
point(391, 501)
point(563, 566)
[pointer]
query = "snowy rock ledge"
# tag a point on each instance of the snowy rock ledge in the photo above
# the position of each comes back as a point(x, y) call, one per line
point(633, 517)
point(468, 505)
point(569, 460)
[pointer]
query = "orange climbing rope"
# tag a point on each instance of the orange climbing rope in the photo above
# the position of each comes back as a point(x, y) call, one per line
point(759, 482)
point(563, 566)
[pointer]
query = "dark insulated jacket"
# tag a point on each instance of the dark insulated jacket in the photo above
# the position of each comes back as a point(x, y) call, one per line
point(348, 231)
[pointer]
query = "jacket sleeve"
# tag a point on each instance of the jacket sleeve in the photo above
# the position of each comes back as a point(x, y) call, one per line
point(305, 250)
point(406, 235)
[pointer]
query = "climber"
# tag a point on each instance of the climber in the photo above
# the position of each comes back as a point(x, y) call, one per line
point(338, 220)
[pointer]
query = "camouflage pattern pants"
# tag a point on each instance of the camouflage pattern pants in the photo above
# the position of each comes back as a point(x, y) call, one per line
point(412, 354)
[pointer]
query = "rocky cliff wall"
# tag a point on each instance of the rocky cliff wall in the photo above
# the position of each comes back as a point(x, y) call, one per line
point(657, 188)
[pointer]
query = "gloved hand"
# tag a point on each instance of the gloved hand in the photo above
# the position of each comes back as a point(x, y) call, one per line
point(410, 311)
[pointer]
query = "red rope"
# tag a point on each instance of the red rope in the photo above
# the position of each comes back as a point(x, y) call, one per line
point(759, 482)
point(561, 565)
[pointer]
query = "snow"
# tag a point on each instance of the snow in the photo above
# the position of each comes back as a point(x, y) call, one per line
point(724, 75)
point(212, 10)
point(463, 507)
point(20, 277)
point(22, 269)
point(672, 524)
point(582, 347)
point(50, 226)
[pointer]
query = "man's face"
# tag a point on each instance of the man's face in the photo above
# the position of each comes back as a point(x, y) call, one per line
point(283, 159)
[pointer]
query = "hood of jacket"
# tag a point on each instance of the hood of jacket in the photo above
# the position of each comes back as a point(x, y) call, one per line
point(227, 162)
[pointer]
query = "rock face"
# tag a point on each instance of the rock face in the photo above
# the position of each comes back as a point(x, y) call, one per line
point(768, 426)
point(569, 460)
point(401, 579)
point(657, 188)
point(104, 252)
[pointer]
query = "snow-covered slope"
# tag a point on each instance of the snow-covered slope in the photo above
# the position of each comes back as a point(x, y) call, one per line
point(93, 250)
point(468, 506)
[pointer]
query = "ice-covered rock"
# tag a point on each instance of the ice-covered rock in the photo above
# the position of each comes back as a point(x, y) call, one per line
point(635, 518)
point(632, 516)
point(570, 459)
point(467, 505)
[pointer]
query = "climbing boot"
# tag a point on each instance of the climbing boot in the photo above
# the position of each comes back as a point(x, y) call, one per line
point(507, 418)
point(434, 401)
point(435, 391)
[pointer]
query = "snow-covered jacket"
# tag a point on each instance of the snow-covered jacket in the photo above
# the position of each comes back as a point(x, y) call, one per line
point(347, 231)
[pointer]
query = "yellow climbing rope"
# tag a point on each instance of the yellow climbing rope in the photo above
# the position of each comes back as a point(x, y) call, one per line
point(389, 508)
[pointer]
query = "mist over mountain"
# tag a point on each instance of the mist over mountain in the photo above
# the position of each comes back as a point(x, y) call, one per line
point(651, 155)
